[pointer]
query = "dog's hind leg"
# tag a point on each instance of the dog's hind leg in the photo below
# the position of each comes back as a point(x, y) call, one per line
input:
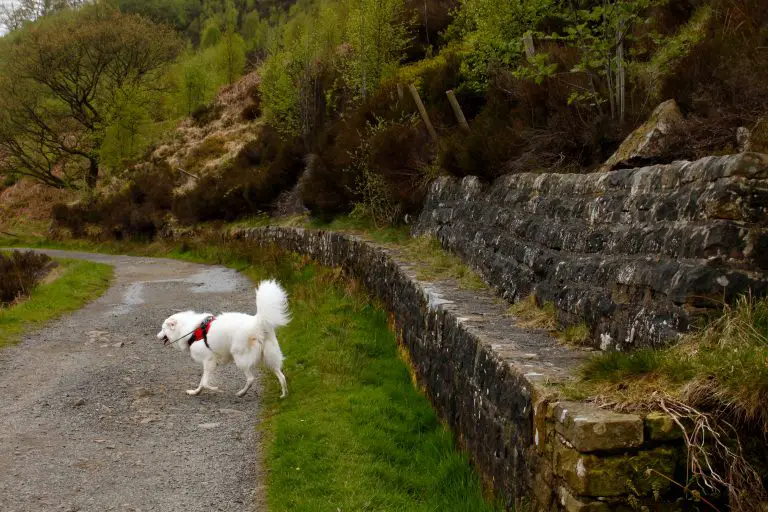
point(273, 358)
point(283, 383)
point(249, 378)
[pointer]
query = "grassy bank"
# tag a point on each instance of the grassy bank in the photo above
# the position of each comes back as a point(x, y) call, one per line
point(354, 433)
point(78, 283)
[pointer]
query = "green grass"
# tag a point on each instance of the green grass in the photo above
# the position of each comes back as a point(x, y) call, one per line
point(723, 366)
point(80, 282)
point(354, 432)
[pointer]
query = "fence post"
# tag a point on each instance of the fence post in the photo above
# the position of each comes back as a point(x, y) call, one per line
point(457, 111)
point(423, 112)
point(530, 50)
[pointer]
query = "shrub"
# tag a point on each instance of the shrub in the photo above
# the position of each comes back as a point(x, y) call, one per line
point(205, 114)
point(20, 272)
point(136, 211)
point(379, 153)
point(248, 185)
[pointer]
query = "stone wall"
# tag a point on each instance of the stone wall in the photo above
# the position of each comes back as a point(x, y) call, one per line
point(637, 254)
point(492, 383)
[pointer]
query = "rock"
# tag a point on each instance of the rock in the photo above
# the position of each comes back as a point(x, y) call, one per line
point(572, 504)
point(79, 402)
point(590, 429)
point(590, 475)
point(661, 427)
point(651, 141)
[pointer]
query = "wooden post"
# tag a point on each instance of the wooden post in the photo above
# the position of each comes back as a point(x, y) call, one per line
point(423, 112)
point(457, 110)
point(400, 92)
point(530, 50)
point(188, 173)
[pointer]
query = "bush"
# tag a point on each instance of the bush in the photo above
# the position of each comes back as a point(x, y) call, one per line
point(248, 185)
point(20, 273)
point(379, 146)
point(206, 114)
point(138, 211)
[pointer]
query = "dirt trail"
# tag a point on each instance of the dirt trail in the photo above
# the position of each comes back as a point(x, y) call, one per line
point(93, 413)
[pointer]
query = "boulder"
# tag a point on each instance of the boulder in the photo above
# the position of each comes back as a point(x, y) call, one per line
point(650, 142)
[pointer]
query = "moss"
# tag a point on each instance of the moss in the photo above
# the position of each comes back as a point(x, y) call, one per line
point(616, 475)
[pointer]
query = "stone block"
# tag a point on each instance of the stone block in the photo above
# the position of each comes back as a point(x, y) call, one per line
point(589, 429)
point(661, 427)
point(570, 503)
point(615, 475)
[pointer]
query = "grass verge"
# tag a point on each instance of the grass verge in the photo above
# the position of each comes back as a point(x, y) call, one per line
point(722, 366)
point(354, 433)
point(79, 282)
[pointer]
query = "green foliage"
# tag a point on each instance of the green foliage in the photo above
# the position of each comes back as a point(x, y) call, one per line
point(211, 34)
point(494, 30)
point(673, 49)
point(378, 33)
point(79, 282)
point(231, 57)
point(67, 79)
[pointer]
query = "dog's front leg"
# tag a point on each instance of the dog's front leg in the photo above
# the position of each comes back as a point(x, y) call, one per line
point(208, 366)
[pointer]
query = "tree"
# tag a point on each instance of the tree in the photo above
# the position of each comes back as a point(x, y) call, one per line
point(379, 32)
point(65, 78)
point(232, 55)
point(601, 34)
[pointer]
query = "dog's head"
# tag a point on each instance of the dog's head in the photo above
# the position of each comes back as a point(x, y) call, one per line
point(171, 331)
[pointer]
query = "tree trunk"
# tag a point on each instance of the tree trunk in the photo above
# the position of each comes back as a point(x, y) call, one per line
point(93, 172)
point(620, 83)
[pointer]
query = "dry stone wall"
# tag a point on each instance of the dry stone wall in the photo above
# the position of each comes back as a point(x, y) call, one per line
point(637, 254)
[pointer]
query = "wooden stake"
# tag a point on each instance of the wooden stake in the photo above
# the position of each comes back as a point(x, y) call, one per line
point(530, 50)
point(457, 111)
point(188, 173)
point(423, 112)
point(400, 91)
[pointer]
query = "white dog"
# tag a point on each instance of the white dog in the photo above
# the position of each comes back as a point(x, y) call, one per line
point(243, 338)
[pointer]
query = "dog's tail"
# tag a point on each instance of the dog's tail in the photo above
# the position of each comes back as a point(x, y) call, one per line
point(272, 303)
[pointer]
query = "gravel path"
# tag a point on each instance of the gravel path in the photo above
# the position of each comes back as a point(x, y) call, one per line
point(93, 413)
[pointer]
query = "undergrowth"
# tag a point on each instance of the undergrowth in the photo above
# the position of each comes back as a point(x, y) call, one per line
point(79, 282)
point(20, 271)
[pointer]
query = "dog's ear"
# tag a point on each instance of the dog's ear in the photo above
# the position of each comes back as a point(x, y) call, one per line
point(171, 323)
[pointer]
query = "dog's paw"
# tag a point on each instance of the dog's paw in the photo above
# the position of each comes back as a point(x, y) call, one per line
point(283, 395)
point(193, 392)
point(241, 393)
point(212, 388)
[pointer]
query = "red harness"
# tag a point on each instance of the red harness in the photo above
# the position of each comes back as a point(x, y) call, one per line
point(201, 333)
